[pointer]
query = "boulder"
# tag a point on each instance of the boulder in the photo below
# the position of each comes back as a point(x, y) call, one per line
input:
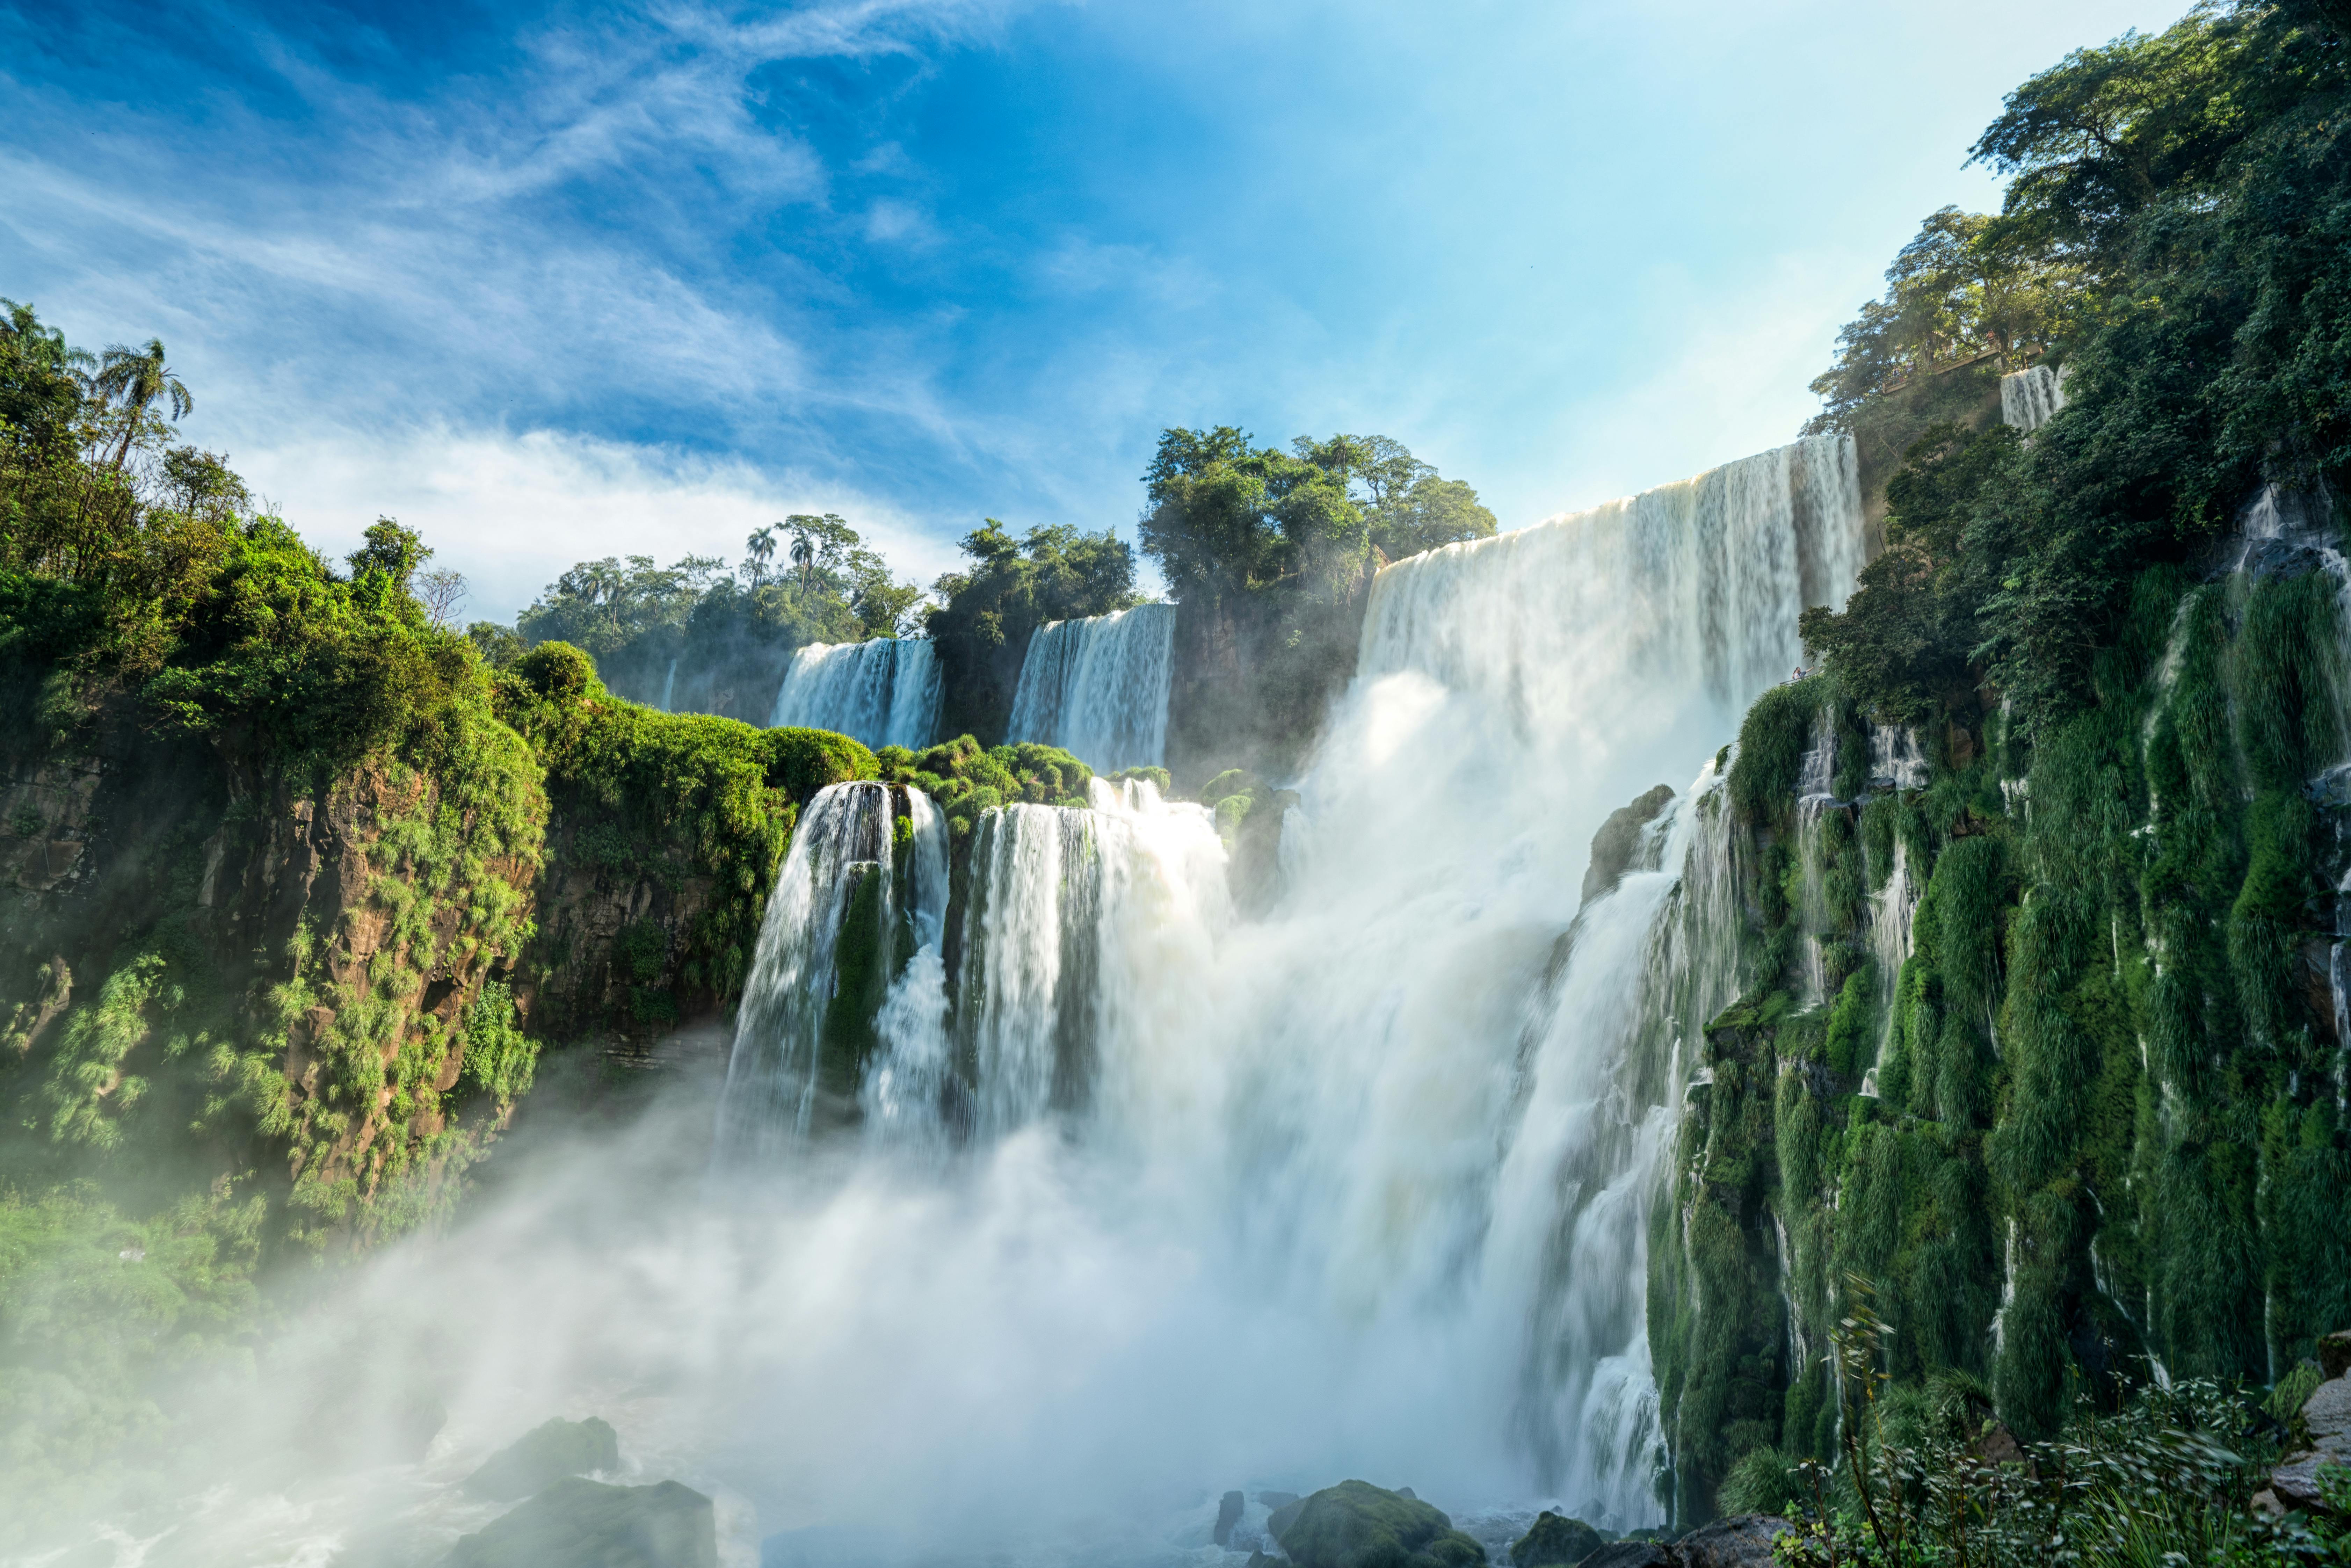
point(544, 1455)
point(581, 1523)
point(1554, 1540)
point(1228, 1513)
point(1358, 1525)
point(2326, 1416)
point(2334, 1353)
point(1742, 1541)
point(1619, 839)
point(1631, 1555)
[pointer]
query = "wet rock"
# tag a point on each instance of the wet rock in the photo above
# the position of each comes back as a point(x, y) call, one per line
point(1619, 839)
point(545, 1454)
point(2326, 1416)
point(1631, 1555)
point(578, 1523)
point(1228, 1513)
point(2334, 1354)
point(1358, 1525)
point(1742, 1541)
point(2278, 560)
point(1555, 1539)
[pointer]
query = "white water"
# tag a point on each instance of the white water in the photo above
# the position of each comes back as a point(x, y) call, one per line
point(669, 686)
point(2030, 399)
point(1895, 760)
point(846, 834)
point(1098, 687)
point(1169, 1203)
point(884, 692)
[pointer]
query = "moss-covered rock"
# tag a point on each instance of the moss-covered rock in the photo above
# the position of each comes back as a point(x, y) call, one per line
point(1613, 846)
point(1358, 1525)
point(544, 1455)
point(586, 1524)
point(1555, 1539)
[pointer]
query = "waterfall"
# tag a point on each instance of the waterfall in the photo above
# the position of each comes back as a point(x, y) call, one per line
point(1891, 909)
point(1097, 688)
point(1403, 1135)
point(1895, 760)
point(857, 900)
point(1812, 800)
point(1049, 981)
point(2030, 399)
point(669, 687)
point(883, 692)
point(1689, 592)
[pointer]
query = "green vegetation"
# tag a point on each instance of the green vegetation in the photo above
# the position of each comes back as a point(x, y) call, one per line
point(708, 639)
point(2104, 1126)
point(1270, 556)
point(1358, 1525)
point(985, 614)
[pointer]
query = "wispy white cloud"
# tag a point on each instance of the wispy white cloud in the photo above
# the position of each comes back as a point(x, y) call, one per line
point(492, 502)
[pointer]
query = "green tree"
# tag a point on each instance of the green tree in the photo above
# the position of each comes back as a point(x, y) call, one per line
point(984, 615)
point(138, 378)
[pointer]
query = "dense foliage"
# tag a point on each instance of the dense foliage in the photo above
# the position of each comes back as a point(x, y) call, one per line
point(694, 637)
point(2092, 1124)
point(1271, 555)
point(985, 614)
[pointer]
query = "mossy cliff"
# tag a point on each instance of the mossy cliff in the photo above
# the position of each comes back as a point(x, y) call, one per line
point(323, 972)
point(666, 835)
point(2090, 1124)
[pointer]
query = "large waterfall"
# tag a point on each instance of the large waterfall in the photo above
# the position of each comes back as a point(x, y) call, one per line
point(1400, 1140)
point(1098, 687)
point(884, 692)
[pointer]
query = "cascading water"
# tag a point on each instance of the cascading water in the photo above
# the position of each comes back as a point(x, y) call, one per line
point(1895, 760)
point(884, 692)
point(669, 686)
point(1813, 799)
point(1097, 687)
point(854, 890)
point(1144, 1199)
point(2031, 398)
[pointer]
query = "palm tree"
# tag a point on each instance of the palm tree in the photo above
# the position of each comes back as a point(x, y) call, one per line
point(803, 555)
point(761, 547)
point(138, 377)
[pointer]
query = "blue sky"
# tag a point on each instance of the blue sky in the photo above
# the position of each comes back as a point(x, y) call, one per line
point(558, 281)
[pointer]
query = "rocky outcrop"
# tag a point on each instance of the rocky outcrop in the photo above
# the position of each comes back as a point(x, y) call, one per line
point(1619, 839)
point(1358, 1525)
point(544, 1455)
point(1744, 1541)
point(2326, 1416)
point(577, 1522)
point(1228, 1514)
point(1555, 1539)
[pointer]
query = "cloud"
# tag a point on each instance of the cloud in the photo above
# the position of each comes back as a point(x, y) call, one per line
point(511, 510)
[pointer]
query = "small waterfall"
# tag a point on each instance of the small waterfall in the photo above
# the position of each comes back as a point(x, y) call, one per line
point(908, 1092)
point(669, 687)
point(1895, 760)
point(1891, 909)
point(1097, 688)
point(882, 692)
point(2030, 399)
point(850, 909)
point(1051, 976)
point(1813, 800)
